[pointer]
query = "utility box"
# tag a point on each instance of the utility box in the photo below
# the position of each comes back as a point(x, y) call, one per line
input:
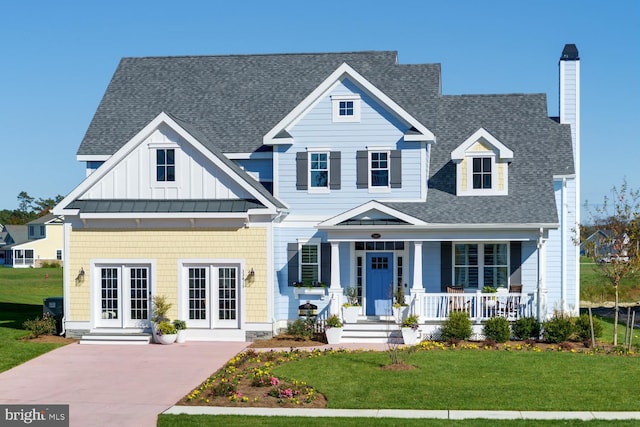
point(54, 306)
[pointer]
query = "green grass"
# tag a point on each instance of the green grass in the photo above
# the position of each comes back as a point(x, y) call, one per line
point(251, 421)
point(21, 296)
point(595, 287)
point(478, 379)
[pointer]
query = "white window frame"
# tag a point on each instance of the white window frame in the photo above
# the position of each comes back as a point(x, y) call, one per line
point(310, 187)
point(481, 265)
point(352, 118)
point(153, 148)
point(378, 188)
point(494, 172)
point(310, 242)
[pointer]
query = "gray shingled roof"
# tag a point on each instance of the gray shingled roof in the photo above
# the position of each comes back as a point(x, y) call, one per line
point(164, 206)
point(541, 148)
point(230, 102)
point(235, 100)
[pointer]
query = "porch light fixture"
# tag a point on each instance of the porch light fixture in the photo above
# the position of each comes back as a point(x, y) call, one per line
point(252, 273)
point(376, 236)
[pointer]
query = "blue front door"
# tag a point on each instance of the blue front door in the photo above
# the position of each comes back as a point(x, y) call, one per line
point(379, 292)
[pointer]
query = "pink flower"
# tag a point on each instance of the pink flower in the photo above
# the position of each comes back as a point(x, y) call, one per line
point(275, 381)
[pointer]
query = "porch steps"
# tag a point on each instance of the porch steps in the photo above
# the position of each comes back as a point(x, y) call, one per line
point(111, 339)
point(372, 332)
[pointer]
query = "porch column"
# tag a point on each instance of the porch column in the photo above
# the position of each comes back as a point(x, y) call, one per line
point(542, 285)
point(417, 289)
point(335, 290)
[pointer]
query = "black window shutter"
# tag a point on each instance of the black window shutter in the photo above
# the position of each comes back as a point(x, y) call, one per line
point(516, 263)
point(325, 267)
point(302, 168)
point(362, 174)
point(396, 169)
point(445, 265)
point(334, 170)
point(292, 263)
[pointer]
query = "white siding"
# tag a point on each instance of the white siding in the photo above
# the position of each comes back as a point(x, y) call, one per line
point(196, 176)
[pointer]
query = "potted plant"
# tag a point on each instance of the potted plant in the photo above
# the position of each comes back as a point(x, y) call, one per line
point(410, 330)
point(333, 329)
point(181, 327)
point(160, 308)
point(166, 333)
point(400, 308)
point(351, 308)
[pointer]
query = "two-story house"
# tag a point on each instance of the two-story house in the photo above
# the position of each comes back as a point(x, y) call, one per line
point(225, 182)
point(35, 244)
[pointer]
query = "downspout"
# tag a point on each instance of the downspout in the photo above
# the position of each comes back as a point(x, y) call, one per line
point(563, 243)
point(542, 291)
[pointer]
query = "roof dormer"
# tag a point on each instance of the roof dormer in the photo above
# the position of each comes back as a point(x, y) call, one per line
point(482, 166)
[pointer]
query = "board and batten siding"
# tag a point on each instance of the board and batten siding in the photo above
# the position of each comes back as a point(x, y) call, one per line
point(376, 128)
point(196, 177)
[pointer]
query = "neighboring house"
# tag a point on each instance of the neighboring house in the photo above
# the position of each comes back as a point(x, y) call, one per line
point(39, 241)
point(596, 245)
point(10, 235)
point(223, 181)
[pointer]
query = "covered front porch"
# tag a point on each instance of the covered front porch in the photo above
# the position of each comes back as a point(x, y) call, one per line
point(389, 257)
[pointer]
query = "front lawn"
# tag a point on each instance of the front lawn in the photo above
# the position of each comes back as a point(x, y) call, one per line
point(22, 292)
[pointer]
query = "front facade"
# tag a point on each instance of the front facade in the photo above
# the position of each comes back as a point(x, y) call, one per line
point(258, 183)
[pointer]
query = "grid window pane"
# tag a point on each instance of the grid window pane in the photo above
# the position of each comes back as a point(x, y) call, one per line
point(139, 289)
point(309, 264)
point(379, 169)
point(319, 168)
point(109, 293)
point(227, 290)
point(165, 165)
point(481, 175)
point(197, 293)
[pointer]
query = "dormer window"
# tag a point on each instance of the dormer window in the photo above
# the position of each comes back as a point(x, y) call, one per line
point(482, 166)
point(346, 108)
point(481, 172)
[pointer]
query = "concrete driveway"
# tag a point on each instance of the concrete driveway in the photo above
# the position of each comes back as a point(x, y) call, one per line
point(120, 385)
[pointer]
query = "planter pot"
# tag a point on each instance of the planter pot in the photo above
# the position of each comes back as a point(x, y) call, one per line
point(182, 336)
point(410, 336)
point(334, 335)
point(400, 313)
point(154, 337)
point(350, 314)
point(166, 338)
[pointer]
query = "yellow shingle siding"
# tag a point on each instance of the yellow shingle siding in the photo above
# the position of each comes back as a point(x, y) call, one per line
point(165, 248)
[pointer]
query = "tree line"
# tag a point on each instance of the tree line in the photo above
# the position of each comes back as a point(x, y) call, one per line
point(29, 208)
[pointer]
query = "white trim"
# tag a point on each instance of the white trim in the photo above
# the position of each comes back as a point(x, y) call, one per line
point(342, 72)
point(481, 134)
point(335, 107)
point(249, 156)
point(93, 157)
point(138, 139)
point(372, 205)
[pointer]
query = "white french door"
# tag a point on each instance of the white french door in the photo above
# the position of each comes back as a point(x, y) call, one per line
point(123, 296)
point(212, 296)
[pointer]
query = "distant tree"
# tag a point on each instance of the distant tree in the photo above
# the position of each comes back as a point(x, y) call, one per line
point(619, 218)
point(28, 209)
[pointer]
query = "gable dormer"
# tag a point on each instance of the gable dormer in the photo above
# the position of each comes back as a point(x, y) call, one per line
point(482, 166)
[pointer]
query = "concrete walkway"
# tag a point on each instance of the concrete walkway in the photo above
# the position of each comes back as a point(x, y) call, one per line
point(119, 385)
point(398, 413)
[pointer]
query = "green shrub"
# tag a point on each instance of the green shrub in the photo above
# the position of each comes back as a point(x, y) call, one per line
point(558, 329)
point(456, 327)
point(583, 328)
point(497, 328)
point(525, 328)
point(38, 326)
point(301, 329)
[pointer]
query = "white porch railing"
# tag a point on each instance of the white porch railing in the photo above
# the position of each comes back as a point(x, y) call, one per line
point(480, 306)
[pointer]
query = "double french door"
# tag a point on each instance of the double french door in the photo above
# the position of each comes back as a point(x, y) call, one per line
point(123, 299)
point(212, 296)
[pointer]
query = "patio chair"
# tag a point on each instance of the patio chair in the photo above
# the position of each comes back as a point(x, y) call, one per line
point(457, 301)
point(511, 309)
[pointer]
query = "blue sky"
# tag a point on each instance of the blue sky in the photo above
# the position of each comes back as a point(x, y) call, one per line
point(58, 58)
